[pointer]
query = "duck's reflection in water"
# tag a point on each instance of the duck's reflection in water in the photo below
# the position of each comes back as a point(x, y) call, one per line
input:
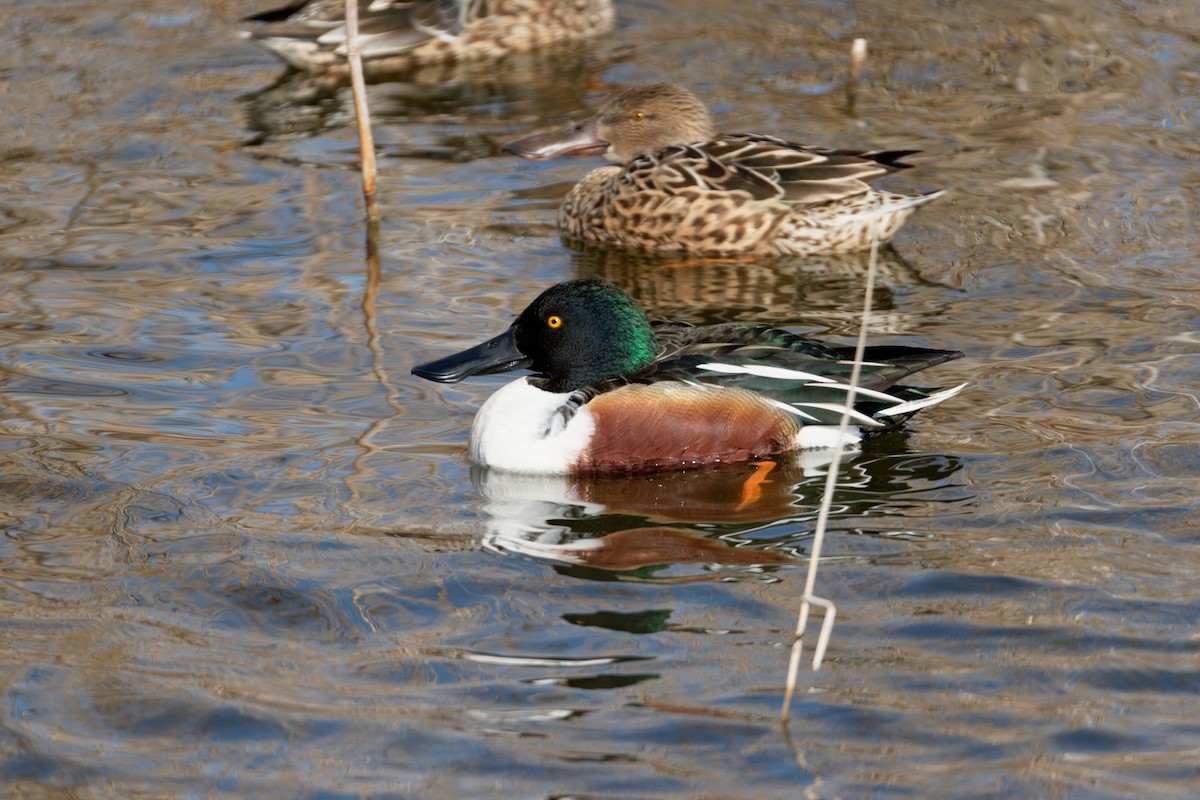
point(733, 519)
point(491, 100)
point(823, 290)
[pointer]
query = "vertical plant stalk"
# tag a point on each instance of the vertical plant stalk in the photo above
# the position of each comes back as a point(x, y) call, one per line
point(857, 54)
point(814, 557)
point(366, 142)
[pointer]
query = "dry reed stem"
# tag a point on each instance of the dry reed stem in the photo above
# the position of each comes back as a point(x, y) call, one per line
point(366, 142)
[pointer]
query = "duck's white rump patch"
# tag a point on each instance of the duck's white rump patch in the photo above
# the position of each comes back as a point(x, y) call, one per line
point(825, 437)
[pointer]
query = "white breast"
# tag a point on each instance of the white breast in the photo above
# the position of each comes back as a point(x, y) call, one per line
point(521, 428)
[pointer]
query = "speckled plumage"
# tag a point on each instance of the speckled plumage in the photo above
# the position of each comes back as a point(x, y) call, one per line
point(680, 186)
point(396, 36)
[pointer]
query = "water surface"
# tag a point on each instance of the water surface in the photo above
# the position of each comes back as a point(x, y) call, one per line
point(244, 553)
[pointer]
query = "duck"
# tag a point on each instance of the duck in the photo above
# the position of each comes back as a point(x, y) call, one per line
point(611, 391)
point(680, 186)
point(396, 35)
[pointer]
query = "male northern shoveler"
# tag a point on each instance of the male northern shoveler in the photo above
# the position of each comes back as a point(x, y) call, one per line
point(683, 187)
point(612, 391)
point(396, 35)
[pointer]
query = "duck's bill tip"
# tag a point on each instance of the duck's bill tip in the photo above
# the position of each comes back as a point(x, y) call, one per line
point(499, 354)
point(574, 140)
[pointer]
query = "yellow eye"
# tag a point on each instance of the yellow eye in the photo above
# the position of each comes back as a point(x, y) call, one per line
point(637, 116)
point(554, 321)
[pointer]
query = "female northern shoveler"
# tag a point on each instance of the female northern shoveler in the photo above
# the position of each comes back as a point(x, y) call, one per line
point(681, 186)
point(396, 36)
point(612, 391)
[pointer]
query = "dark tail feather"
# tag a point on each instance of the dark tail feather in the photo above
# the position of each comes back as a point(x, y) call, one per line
point(899, 159)
point(911, 359)
point(892, 159)
point(276, 14)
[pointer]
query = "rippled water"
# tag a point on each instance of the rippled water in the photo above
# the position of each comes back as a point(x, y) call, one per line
point(245, 555)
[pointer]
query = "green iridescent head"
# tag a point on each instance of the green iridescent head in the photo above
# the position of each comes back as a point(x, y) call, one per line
point(574, 334)
point(579, 332)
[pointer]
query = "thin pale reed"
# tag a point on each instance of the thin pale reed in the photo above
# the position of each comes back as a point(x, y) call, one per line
point(809, 599)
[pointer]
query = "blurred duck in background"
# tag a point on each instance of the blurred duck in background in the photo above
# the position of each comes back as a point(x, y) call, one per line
point(397, 36)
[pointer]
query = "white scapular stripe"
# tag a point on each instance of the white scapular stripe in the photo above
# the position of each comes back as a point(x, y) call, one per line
point(855, 416)
point(924, 402)
point(791, 409)
point(766, 371)
point(782, 373)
